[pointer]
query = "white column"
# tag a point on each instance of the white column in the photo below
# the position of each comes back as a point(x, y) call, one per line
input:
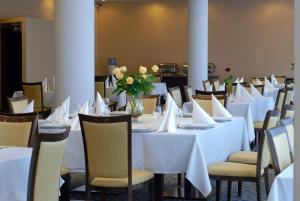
point(198, 42)
point(297, 116)
point(75, 62)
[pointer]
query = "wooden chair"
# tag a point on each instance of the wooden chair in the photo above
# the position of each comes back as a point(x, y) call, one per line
point(260, 88)
point(206, 85)
point(150, 103)
point(18, 130)
point(216, 93)
point(281, 96)
point(45, 166)
point(100, 85)
point(288, 111)
point(288, 99)
point(288, 122)
point(176, 94)
point(17, 105)
point(216, 85)
point(279, 146)
point(205, 101)
point(253, 80)
point(280, 79)
point(108, 156)
point(188, 93)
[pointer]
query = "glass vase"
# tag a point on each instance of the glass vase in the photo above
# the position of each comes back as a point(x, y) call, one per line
point(135, 106)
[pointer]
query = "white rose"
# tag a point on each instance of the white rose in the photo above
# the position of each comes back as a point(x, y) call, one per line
point(116, 71)
point(119, 75)
point(129, 80)
point(155, 68)
point(143, 70)
point(145, 76)
point(123, 69)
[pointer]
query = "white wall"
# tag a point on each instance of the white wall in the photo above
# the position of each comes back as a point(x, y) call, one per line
point(40, 57)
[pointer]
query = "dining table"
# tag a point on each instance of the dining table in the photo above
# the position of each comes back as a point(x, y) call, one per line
point(189, 150)
point(14, 172)
point(282, 187)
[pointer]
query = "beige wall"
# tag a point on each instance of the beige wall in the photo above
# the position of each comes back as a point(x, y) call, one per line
point(253, 37)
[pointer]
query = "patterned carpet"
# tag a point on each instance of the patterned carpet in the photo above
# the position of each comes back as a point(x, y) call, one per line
point(249, 190)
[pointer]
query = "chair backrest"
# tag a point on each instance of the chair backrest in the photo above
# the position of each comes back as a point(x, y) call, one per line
point(272, 118)
point(100, 85)
point(288, 111)
point(158, 78)
point(17, 105)
point(253, 80)
point(188, 93)
point(34, 91)
point(205, 101)
point(216, 93)
point(289, 125)
point(280, 148)
point(18, 129)
point(289, 96)
point(216, 85)
point(280, 99)
point(259, 88)
point(46, 161)
point(107, 146)
point(206, 85)
point(280, 79)
point(263, 154)
point(149, 103)
point(176, 94)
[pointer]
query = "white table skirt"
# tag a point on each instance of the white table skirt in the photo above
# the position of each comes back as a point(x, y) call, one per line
point(187, 151)
point(160, 89)
point(14, 171)
point(282, 187)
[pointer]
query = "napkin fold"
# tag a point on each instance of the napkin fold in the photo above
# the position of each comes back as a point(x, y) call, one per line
point(112, 83)
point(255, 93)
point(200, 116)
point(268, 86)
point(101, 107)
point(222, 87)
point(241, 80)
point(273, 80)
point(75, 125)
point(168, 122)
point(237, 80)
point(62, 112)
point(218, 110)
point(45, 85)
point(246, 96)
point(29, 108)
point(238, 92)
point(258, 82)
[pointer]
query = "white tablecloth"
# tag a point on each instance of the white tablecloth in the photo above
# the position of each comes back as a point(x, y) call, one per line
point(282, 187)
point(187, 151)
point(160, 89)
point(14, 170)
point(273, 94)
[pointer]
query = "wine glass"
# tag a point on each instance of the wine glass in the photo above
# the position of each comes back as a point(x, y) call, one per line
point(106, 102)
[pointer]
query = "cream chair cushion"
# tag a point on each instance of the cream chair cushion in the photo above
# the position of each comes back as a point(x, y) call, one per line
point(34, 93)
point(149, 105)
point(259, 125)
point(15, 133)
point(232, 169)
point(247, 157)
point(176, 94)
point(138, 176)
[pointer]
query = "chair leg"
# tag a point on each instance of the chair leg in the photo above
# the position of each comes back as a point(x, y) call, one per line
point(88, 193)
point(65, 188)
point(266, 176)
point(129, 194)
point(229, 191)
point(150, 190)
point(218, 190)
point(258, 190)
point(240, 188)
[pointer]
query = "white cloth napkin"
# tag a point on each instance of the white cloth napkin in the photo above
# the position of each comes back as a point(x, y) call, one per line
point(258, 82)
point(168, 122)
point(200, 116)
point(255, 93)
point(237, 80)
point(18, 94)
point(273, 80)
point(101, 107)
point(45, 85)
point(62, 112)
point(241, 80)
point(210, 88)
point(268, 86)
point(246, 96)
point(218, 110)
point(29, 108)
point(75, 125)
point(238, 92)
point(113, 84)
point(222, 87)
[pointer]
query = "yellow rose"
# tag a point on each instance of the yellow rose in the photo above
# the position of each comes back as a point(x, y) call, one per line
point(116, 71)
point(123, 69)
point(155, 68)
point(143, 70)
point(119, 75)
point(129, 80)
point(145, 76)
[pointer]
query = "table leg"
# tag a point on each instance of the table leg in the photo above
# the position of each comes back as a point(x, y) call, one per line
point(187, 188)
point(158, 186)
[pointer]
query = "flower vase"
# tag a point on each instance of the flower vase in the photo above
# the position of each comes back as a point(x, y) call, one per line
point(135, 106)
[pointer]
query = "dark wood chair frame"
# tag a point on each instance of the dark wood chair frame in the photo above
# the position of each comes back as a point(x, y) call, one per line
point(101, 79)
point(60, 135)
point(26, 117)
point(283, 90)
point(214, 84)
point(204, 84)
point(287, 108)
point(186, 93)
point(173, 89)
point(230, 179)
point(209, 97)
point(216, 93)
point(281, 76)
point(271, 133)
point(104, 190)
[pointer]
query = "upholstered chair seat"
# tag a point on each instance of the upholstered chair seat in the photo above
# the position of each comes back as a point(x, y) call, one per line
point(247, 157)
point(232, 169)
point(64, 171)
point(258, 125)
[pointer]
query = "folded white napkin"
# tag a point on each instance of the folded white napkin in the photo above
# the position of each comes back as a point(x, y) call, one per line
point(18, 94)
point(101, 107)
point(75, 125)
point(210, 88)
point(113, 84)
point(255, 93)
point(258, 82)
point(62, 112)
point(200, 116)
point(222, 87)
point(273, 80)
point(168, 122)
point(241, 80)
point(237, 80)
point(238, 92)
point(218, 110)
point(29, 108)
point(246, 96)
point(45, 85)
point(268, 86)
